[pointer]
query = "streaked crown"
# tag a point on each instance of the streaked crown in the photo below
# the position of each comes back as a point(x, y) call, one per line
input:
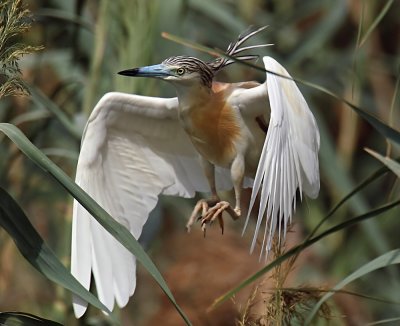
point(207, 70)
point(188, 66)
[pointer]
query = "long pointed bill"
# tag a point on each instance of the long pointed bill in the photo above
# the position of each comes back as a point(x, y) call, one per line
point(159, 70)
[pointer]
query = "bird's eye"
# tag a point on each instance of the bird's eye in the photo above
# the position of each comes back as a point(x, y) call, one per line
point(180, 71)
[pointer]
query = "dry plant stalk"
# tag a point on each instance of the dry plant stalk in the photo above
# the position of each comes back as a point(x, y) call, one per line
point(15, 20)
point(272, 304)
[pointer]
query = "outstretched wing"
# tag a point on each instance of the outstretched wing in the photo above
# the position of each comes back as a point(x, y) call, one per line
point(133, 149)
point(289, 159)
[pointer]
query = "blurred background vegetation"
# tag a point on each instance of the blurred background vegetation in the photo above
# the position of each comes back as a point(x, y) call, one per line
point(350, 47)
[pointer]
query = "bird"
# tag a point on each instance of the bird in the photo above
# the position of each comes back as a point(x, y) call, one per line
point(212, 136)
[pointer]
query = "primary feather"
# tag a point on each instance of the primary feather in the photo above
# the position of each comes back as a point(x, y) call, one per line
point(289, 159)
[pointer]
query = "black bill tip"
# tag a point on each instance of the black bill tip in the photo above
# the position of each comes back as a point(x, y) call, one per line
point(129, 72)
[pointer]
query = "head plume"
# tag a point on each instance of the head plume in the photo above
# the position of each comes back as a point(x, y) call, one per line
point(234, 49)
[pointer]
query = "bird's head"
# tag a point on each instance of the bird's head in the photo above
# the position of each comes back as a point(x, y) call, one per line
point(190, 71)
point(180, 70)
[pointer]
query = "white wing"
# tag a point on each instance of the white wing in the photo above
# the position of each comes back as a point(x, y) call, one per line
point(289, 159)
point(133, 149)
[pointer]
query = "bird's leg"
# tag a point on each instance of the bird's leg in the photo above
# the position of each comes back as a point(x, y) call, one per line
point(203, 205)
point(237, 176)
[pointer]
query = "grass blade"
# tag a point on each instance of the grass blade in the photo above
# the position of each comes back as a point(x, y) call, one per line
point(390, 258)
point(380, 126)
point(35, 250)
point(341, 291)
point(376, 21)
point(391, 164)
point(384, 321)
point(23, 319)
point(111, 225)
point(372, 177)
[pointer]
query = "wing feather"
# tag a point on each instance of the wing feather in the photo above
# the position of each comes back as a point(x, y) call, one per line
point(289, 158)
point(81, 244)
point(133, 149)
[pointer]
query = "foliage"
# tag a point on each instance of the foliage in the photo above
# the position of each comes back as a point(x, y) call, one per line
point(14, 21)
point(21, 319)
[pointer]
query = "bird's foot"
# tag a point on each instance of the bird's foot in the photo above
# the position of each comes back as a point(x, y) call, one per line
point(215, 212)
point(207, 211)
point(201, 210)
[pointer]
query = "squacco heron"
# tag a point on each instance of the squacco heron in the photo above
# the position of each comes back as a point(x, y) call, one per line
point(213, 136)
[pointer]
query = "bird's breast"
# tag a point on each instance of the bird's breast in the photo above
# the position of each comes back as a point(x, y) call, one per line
point(214, 130)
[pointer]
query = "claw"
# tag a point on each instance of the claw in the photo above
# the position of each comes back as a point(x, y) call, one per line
point(204, 229)
point(221, 223)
